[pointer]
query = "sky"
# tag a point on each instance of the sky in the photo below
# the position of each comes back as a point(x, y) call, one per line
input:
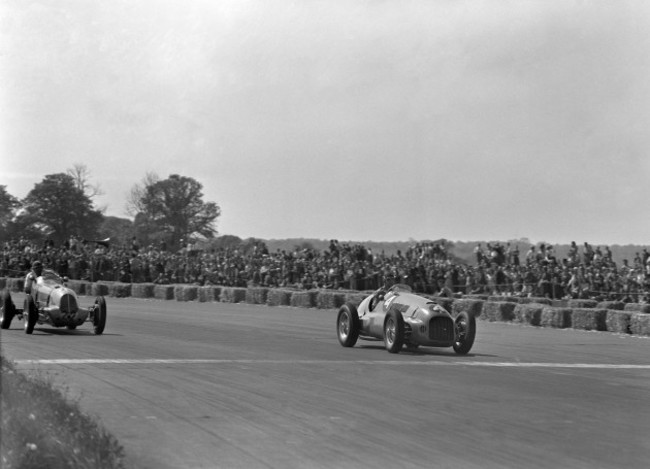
point(343, 119)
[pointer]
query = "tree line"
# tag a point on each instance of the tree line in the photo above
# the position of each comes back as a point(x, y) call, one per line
point(165, 211)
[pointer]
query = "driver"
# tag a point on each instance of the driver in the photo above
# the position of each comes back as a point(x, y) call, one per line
point(37, 271)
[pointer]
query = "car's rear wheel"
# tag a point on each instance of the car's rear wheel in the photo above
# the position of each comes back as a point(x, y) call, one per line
point(31, 314)
point(347, 325)
point(8, 310)
point(465, 325)
point(99, 316)
point(394, 331)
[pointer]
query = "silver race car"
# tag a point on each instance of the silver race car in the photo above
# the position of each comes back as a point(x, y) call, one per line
point(402, 318)
point(51, 302)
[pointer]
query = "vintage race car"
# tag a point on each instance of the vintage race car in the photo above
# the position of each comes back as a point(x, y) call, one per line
point(52, 302)
point(402, 318)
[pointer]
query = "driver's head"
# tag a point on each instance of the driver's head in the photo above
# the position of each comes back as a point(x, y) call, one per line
point(37, 267)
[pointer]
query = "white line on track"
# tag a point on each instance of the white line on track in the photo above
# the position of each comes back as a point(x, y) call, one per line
point(183, 361)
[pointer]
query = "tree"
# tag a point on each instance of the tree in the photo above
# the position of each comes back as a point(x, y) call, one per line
point(8, 207)
point(81, 175)
point(56, 208)
point(173, 207)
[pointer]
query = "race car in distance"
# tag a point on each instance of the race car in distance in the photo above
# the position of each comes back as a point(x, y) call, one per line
point(52, 302)
point(402, 318)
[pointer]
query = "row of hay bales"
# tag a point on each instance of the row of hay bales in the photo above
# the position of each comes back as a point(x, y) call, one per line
point(631, 318)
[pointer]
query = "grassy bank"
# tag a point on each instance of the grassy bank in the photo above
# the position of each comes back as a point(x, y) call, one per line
point(40, 428)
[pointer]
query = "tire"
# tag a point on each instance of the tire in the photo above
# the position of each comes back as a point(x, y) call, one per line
point(347, 325)
point(8, 310)
point(394, 331)
point(465, 326)
point(99, 315)
point(71, 327)
point(30, 314)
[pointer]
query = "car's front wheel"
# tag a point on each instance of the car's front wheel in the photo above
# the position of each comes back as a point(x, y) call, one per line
point(465, 325)
point(8, 310)
point(31, 314)
point(99, 316)
point(347, 325)
point(394, 331)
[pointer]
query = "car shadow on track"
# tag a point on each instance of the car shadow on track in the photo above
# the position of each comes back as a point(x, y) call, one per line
point(76, 332)
point(427, 351)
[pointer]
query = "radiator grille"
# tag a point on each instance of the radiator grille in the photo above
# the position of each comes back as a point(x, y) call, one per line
point(68, 304)
point(441, 328)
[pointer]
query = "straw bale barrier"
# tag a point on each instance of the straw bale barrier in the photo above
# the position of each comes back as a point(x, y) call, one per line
point(355, 298)
point(80, 287)
point(304, 299)
point(560, 303)
point(279, 297)
point(119, 290)
point(142, 290)
point(163, 292)
point(618, 321)
point(473, 308)
point(477, 296)
point(529, 313)
point(498, 299)
point(330, 299)
point(640, 324)
point(15, 283)
point(617, 305)
point(100, 289)
point(527, 300)
point(582, 303)
point(559, 318)
point(186, 292)
point(637, 308)
point(257, 295)
point(589, 319)
point(208, 293)
point(233, 295)
point(499, 311)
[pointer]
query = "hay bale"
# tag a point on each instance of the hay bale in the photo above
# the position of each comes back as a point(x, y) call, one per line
point(257, 295)
point(578, 304)
point(500, 299)
point(16, 284)
point(330, 299)
point(529, 300)
point(209, 293)
point(233, 295)
point(304, 299)
point(560, 303)
point(556, 317)
point(355, 298)
point(142, 290)
point(640, 324)
point(617, 305)
point(529, 313)
point(637, 308)
point(120, 290)
point(472, 307)
point(80, 287)
point(618, 321)
point(163, 292)
point(278, 297)
point(100, 288)
point(589, 319)
point(477, 296)
point(186, 292)
point(499, 311)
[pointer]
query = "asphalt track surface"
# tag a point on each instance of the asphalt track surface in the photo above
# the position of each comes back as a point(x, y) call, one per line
point(215, 385)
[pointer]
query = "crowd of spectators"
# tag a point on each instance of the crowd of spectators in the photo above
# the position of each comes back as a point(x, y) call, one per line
point(499, 269)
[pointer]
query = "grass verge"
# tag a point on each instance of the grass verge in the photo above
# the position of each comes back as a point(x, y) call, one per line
point(40, 428)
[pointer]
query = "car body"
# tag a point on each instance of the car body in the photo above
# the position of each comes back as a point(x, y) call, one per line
point(52, 302)
point(402, 318)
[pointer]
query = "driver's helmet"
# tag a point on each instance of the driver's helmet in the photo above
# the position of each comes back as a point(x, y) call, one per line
point(37, 267)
